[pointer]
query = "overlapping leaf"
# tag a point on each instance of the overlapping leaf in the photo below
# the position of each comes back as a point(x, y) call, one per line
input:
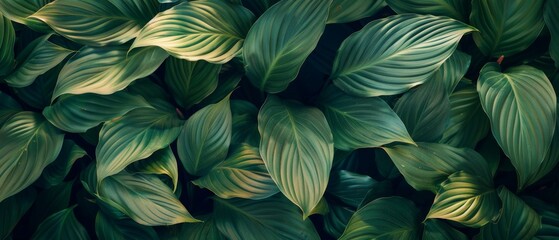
point(28, 143)
point(7, 43)
point(13, 209)
point(351, 188)
point(78, 113)
point(160, 162)
point(135, 136)
point(97, 23)
point(437, 229)
point(245, 123)
point(108, 228)
point(106, 70)
point(506, 27)
point(19, 11)
point(549, 218)
point(243, 175)
point(204, 230)
point(61, 225)
point(361, 122)
point(551, 19)
point(145, 199)
point(369, 62)
point(335, 221)
point(457, 9)
point(521, 106)
point(260, 6)
point(211, 30)
point(297, 148)
point(453, 70)
point(55, 173)
point(205, 137)
point(342, 11)
point(8, 107)
point(281, 39)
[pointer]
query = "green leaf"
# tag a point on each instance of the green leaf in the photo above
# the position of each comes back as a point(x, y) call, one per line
point(97, 23)
point(244, 123)
point(50, 201)
point(38, 95)
point(351, 188)
point(437, 229)
point(210, 30)
point(135, 136)
point(468, 199)
point(549, 218)
point(109, 228)
point(55, 172)
point(517, 221)
point(7, 43)
point(61, 225)
point(369, 62)
point(8, 107)
point(106, 70)
point(144, 198)
point(204, 230)
point(468, 124)
point(42, 57)
point(205, 138)
point(426, 166)
point(521, 106)
point(453, 70)
point(297, 148)
point(28, 143)
point(506, 27)
point(457, 9)
point(280, 40)
point(259, 6)
point(384, 218)
point(551, 157)
point(78, 113)
point(243, 175)
point(161, 162)
point(249, 219)
point(19, 11)
point(425, 111)
point(336, 220)
point(551, 19)
point(13, 209)
point(343, 11)
point(190, 82)
point(361, 122)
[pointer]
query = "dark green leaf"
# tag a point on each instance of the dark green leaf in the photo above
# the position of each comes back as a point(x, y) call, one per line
point(552, 21)
point(351, 188)
point(245, 123)
point(453, 70)
point(13, 209)
point(437, 229)
point(161, 162)
point(342, 11)
point(19, 11)
point(200, 231)
point(49, 201)
point(61, 225)
point(39, 93)
point(109, 228)
point(549, 218)
point(336, 220)
point(8, 107)
point(259, 6)
point(457, 9)
point(55, 172)
point(7, 43)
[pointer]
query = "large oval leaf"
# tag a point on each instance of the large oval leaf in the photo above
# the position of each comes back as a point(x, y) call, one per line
point(7, 43)
point(427, 165)
point(97, 23)
point(255, 220)
point(205, 138)
point(160, 162)
point(361, 122)
point(19, 11)
point(297, 148)
point(108, 228)
point(106, 70)
point(453, 70)
point(468, 199)
point(78, 113)
point(369, 62)
point(210, 30)
point(133, 137)
point(506, 27)
point(28, 143)
point(13, 209)
point(457, 9)
point(517, 221)
point(243, 175)
point(521, 106)
point(281, 39)
point(342, 11)
point(61, 225)
point(384, 218)
point(551, 19)
point(190, 82)
point(144, 198)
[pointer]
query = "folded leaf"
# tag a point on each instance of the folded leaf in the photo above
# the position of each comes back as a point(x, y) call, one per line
point(453, 70)
point(342, 11)
point(7, 43)
point(457, 9)
point(335, 221)
point(61, 225)
point(161, 162)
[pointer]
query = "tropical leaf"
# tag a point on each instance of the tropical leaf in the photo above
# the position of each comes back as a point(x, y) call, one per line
point(384, 218)
point(55, 172)
point(427, 165)
point(160, 162)
point(369, 61)
point(13, 209)
point(244, 123)
point(342, 11)
point(353, 119)
point(19, 11)
point(425, 111)
point(468, 124)
point(135, 136)
point(78, 113)
point(552, 21)
point(145, 199)
point(351, 188)
point(260, 6)
point(437, 229)
point(280, 40)
point(109, 228)
point(38, 95)
point(28, 143)
point(518, 220)
point(453, 70)
point(521, 106)
point(106, 70)
point(297, 148)
point(335, 221)
point(549, 219)
point(243, 175)
point(61, 225)
point(8, 107)
point(205, 137)
point(7, 43)
point(204, 230)
point(468, 199)
point(97, 23)
point(210, 30)
point(457, 9)
point(50, 201)
point(551, 157)
point(506, 27)
point(249, 219)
